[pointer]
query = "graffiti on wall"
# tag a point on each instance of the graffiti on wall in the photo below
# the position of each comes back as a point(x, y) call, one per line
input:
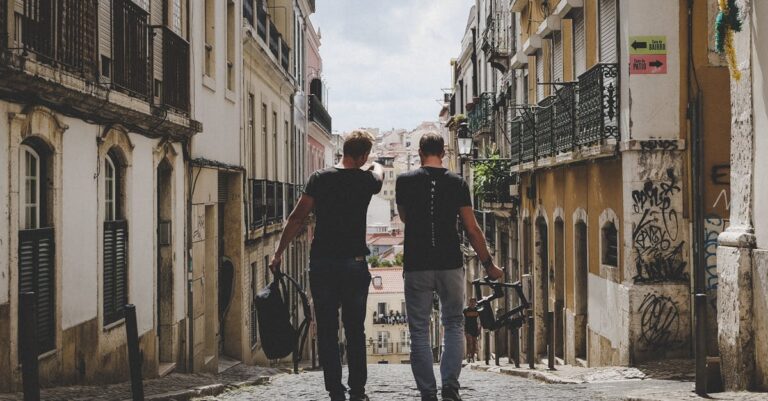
point(660, 322)
point(713, 226)
point(656, 236)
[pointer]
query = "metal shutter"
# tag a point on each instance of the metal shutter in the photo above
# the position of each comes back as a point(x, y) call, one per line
point(115, 270)
point(579, 43)
point(557, 65)
point(539, 76)
point(608, 31)
point(37, 274)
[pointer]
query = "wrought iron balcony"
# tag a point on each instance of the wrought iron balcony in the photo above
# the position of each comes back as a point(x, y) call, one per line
point(564, 125)
point(528, 139)
point(285, 55)
point(515, 137)
point(175, 71)
point(481, 116)
point(318, 114)
point(497, 40)
point(274, 40)
point(598, 110)
point(130, 41)
point(61, 33)
point(271, 201)
point(545, 115)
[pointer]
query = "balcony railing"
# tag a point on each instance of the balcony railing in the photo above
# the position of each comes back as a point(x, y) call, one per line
point(274, 40)
point(130, 43)
point(528, 139)
point(271, 202)
point(545, 115)
point(285, 55)
point(175, 71)
point(279, 202)
point(481, 116)
point(598, 109)
point(564, 125)
point(290, 198)
point(318, 113)
point(497, 39)
point(61, 32)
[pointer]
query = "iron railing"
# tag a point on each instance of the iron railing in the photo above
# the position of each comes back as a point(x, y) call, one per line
point(544, 114)
point(481, 116)
point(274, 40)
point(271, 201)
point(528, 139)
point(280, 214)
point(318, 113)
point(598, 110)
point(285, 55)
point(60, 32)
point(564, 125)
point(290, 198)
point(497, 39)
point(175, 71)
point(130, 48)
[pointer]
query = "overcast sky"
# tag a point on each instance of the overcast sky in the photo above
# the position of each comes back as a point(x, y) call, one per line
point(385, 62)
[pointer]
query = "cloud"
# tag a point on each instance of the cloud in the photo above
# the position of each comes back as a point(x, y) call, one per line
point(385, 62)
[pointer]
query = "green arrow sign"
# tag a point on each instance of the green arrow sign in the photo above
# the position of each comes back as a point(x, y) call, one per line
point(647, 45)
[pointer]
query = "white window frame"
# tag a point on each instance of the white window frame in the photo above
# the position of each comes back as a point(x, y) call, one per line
point(110, 187)
point(25, 177)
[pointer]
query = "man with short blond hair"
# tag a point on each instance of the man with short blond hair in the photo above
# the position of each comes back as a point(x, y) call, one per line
point(338, 266)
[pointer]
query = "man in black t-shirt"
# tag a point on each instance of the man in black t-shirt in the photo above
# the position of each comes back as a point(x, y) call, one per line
point(338, 267)
point(429, 201)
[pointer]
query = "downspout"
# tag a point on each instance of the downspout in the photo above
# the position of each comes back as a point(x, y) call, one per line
point(474, 63)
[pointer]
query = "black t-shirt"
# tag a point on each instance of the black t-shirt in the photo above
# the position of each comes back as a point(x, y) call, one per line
point(341, 203)
point(431, 198)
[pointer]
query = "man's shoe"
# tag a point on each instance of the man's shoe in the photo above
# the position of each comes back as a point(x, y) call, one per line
point(451, 394)
point(359, 398)
point(429, 398)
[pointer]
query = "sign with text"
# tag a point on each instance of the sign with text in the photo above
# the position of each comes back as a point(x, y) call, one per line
point(647, 45)
point(648, 64)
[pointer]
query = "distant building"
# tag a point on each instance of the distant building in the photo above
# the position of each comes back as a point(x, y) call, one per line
point(389, 340)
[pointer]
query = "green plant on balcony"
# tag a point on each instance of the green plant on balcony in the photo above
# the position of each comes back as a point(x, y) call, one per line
point(489, 175)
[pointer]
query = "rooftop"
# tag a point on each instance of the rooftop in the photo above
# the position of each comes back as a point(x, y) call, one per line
point(387, 280)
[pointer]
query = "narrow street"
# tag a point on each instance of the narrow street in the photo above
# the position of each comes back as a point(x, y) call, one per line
point(395, 382)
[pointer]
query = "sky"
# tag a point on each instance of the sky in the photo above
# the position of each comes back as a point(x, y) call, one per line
point(385, 62)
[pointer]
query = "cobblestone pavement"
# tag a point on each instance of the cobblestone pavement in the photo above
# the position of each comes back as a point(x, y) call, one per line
point(395, 382)
point(173, 386)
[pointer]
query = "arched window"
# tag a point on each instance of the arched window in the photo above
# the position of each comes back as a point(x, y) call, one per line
point(115, 276)
point(610, 245)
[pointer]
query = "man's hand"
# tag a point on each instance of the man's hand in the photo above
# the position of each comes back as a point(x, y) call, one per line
point(494, 272)
point(274, 265)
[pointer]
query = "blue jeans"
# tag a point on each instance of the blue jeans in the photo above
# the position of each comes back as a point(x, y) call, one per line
point(341, 283)
point(419, 287)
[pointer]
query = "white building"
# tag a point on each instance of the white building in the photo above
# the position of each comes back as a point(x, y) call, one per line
point(388, 339)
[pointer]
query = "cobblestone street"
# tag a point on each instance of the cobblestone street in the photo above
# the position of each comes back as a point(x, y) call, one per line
point(395, 382)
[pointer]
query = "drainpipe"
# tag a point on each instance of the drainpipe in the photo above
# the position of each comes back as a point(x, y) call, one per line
point(474, 63)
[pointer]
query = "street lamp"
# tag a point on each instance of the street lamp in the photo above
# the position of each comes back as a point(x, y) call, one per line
point(465, 141)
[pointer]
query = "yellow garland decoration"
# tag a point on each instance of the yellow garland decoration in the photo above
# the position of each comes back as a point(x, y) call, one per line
point(730, 50)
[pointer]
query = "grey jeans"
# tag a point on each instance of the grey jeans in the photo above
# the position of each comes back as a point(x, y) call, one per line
point(419, 287)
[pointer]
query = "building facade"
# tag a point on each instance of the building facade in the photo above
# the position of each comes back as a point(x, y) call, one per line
point(586, 191)
point(389, 340)
point(95, 141)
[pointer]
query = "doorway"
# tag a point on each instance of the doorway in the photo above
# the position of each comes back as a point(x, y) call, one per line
point(165, 324)
point(581, 271)
point(541, 285)
point(559, 286)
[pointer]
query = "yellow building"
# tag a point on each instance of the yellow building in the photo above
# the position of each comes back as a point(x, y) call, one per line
point(591, 106)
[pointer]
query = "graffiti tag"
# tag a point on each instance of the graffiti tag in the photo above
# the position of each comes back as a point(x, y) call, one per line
point(660, 322)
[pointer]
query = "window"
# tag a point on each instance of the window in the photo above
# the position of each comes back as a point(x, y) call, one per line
point(115, 275)
point(539, 76)
point(266, 270)
point(579, 42)
point(31, 188)
point(210, 37)
point(264, 136)
point(610, 245)
point(231, 45)
point(382, 307)
point(254, 292)
point(252, 132)
point(274, 145)
point(175, 17)
point(557, 52)
point(608, 31)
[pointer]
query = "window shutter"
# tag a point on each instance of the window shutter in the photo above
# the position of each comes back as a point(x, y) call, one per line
point(37, 274)
point(115, 270)
point(608, 31)
point(557, 45)
point(579, 43)
point(539, 76)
